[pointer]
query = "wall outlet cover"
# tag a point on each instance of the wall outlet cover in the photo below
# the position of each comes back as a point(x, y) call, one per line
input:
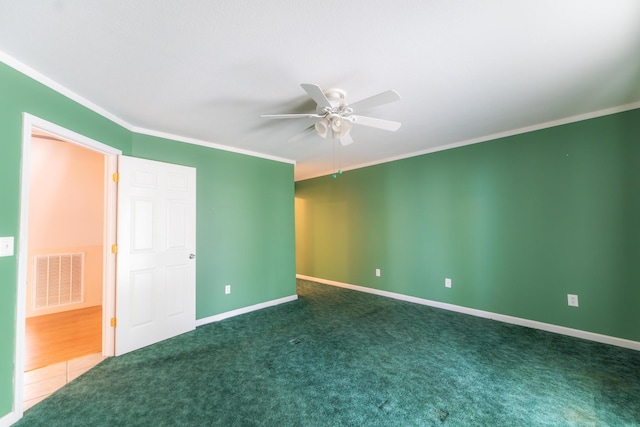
point(6, 246)
point(572, 300)
point(447, 283)
point(377, 272)
point(227, 289)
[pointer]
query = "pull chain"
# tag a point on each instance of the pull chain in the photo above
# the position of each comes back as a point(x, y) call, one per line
point(339, 172)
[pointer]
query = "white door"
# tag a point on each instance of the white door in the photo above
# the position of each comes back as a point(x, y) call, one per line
point(155, 290)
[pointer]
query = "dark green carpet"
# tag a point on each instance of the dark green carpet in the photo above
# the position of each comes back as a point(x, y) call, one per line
point(342, 358)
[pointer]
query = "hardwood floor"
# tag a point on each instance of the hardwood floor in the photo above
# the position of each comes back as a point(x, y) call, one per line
point(59, 337)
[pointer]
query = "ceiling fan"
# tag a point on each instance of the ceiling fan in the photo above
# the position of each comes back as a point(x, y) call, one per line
point(336, 116)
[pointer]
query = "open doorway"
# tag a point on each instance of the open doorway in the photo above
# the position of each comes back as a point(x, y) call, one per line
point(66, 284)
point(156, 254)
point(63, 325)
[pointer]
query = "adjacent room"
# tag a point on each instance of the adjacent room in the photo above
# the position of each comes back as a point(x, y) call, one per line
point(361, 213)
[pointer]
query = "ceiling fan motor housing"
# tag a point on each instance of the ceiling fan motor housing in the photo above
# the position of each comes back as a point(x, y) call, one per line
point(336, 98)
point(335, 116)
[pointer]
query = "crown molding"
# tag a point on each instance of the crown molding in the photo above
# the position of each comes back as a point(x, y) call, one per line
point(203, 143)
point(68, 93)
point(41, 78)
point(51, 84)
point(519, 131)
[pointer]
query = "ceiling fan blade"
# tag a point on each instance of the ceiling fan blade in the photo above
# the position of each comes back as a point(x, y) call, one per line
point(346, 139)
point(291, 116)
point(317, 94)
point(302, 134)
point(375, 123)
point(375, 100)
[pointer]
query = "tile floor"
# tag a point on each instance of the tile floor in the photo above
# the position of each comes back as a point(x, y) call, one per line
point(40, 383)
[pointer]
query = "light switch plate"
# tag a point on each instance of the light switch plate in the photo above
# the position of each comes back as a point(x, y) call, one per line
point(6, 246)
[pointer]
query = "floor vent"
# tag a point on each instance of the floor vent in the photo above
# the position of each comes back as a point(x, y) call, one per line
point(59, 280)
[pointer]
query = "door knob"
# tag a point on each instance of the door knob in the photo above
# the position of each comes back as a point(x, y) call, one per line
point(192, 256)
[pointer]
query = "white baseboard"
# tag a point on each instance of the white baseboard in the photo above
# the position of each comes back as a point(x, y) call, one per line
point(577, 333)
point(244, 310)
point(9, 419)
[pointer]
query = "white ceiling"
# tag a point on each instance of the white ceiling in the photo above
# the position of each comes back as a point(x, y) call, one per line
point(205, 70)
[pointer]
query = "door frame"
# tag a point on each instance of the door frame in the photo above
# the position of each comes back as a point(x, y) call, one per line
point(29, 124)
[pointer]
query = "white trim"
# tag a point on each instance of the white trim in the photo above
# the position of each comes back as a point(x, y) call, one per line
point(195, 141)
point(110, 199)
point(30, 123)
point(109, 259)
point(562, 330)
point(51, 84)
point(244, 310)
point(495, 136)
point(9, 419)
point(21, 285)
point(66, 134)
point(30, 72)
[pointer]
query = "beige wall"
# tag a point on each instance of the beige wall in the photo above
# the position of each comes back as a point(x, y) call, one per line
point(66, 213)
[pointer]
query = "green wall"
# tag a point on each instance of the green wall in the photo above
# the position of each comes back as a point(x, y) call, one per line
point(20, 94)
point(245, 223)
point(245, 231)
point(517, 223)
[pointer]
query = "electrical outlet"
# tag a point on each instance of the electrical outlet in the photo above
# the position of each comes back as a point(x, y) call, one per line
point(447, 283)
point(377, 272)
point(572, 300)
point(6, 246)
point(227, 289)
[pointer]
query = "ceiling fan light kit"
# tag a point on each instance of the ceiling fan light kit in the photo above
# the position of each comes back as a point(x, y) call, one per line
point(337, 117)
point(322, 127)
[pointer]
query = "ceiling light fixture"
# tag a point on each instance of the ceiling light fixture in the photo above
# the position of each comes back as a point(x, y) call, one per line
point(322, 127)
point(337, 116)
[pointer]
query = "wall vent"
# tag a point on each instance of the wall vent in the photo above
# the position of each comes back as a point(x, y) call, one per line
point(59, 280)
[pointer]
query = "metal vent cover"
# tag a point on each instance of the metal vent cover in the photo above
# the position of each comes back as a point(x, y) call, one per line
point(59, 280)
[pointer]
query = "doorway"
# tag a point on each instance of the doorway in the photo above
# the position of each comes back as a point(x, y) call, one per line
point(63, 325)
point(166, 239)
point(66, 271)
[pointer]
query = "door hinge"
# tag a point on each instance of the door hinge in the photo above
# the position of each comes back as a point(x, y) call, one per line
point(116, 177)
point(113, 322)
point(114, 249)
